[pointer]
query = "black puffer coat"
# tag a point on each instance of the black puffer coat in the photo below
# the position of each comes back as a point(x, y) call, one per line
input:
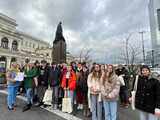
point(148, 94)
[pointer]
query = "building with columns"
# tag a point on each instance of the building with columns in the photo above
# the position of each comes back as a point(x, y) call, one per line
point(18, 46)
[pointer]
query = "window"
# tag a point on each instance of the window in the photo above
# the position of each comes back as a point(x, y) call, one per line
point(158, 16)
point(4, 43)
point(14, 45)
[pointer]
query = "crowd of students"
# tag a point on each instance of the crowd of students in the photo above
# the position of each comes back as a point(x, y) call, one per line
point(96, 90)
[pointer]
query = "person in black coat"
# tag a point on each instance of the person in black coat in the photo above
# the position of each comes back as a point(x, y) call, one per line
point(82, 83)
point(54, 78)
point(147, 99)
point(121, 71)
point(42, 82)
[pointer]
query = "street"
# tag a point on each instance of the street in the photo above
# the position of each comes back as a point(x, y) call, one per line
point(47, 114)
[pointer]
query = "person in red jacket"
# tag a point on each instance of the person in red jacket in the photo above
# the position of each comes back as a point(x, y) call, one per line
point(69, 82)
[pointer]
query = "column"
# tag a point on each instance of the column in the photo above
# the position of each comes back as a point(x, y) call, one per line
point(10, 43)
point(8, 62)
point(0, 39)
point(19, 44)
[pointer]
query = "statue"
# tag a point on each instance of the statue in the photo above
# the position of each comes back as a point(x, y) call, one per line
point(59, 46)
point(59, 32)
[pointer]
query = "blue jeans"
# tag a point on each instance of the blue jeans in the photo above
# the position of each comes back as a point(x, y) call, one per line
point(29, 95)
point(96, 108)
point(147, 116)
point(110, 108)
point(11, 99)
point(71, 95)
point(16, 89)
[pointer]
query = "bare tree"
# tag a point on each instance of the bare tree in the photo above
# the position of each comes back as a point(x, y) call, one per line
point(130, 54)
point(84, 55)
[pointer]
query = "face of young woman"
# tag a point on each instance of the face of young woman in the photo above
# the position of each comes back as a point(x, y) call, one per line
point(110, 69)
point(84, 69)
point(102, 67)
point(97, 68)
point(14, 64)
point(69, 68)
point(145, 72)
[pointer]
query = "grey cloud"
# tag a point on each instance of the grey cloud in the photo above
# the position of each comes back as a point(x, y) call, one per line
point(96, 22)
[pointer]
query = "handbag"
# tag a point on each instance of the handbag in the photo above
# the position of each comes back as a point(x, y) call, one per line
point(47, 99)
point(66, 103)
point(133, 93)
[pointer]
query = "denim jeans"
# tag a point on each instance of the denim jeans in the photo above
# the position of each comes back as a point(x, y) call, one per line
point(55, 95)
point(147, 116)
point(16, 89)
point(71, 95)
point(11, 99)
point(110, 108)
point(40, 92)
point(96, 108)
point(29, 95)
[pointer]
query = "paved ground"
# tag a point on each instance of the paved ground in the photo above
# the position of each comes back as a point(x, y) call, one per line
point(33, 114)
point(42, 114)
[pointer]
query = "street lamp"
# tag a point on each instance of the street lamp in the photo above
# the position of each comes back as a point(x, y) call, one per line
point(152, 59)
point(143, 50)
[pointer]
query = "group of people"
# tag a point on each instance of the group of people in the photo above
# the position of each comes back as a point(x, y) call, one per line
point(96, 90)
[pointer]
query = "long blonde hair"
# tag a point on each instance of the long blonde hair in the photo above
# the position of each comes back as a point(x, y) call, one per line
point(107, 76)
point(94, 73)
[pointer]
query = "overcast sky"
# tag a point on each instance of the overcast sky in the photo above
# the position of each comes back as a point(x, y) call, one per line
point(101, 25)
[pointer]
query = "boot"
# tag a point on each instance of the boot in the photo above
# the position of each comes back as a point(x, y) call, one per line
point(27, 107)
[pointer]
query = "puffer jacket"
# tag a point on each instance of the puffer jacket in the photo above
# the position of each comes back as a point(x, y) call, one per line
point(148, 94)
point(93, 83)
point(71, 81)
point(110, 91)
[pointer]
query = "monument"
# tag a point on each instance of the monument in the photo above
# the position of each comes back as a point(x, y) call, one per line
point(59, 46)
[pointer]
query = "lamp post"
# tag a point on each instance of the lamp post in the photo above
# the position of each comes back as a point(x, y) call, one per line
point(152, 59)
point(143, 50)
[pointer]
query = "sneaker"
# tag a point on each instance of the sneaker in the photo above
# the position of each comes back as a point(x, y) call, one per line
point(10, 109)
point(27, 107)
point(79, 107)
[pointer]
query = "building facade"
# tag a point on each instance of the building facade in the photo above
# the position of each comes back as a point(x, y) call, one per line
point(154, 14)
point(153, 56)
point(18, 46)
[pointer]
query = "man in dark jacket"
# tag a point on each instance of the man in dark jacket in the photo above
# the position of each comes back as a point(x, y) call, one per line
point(54, 78)
point(42, 81)
point(122, 71)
